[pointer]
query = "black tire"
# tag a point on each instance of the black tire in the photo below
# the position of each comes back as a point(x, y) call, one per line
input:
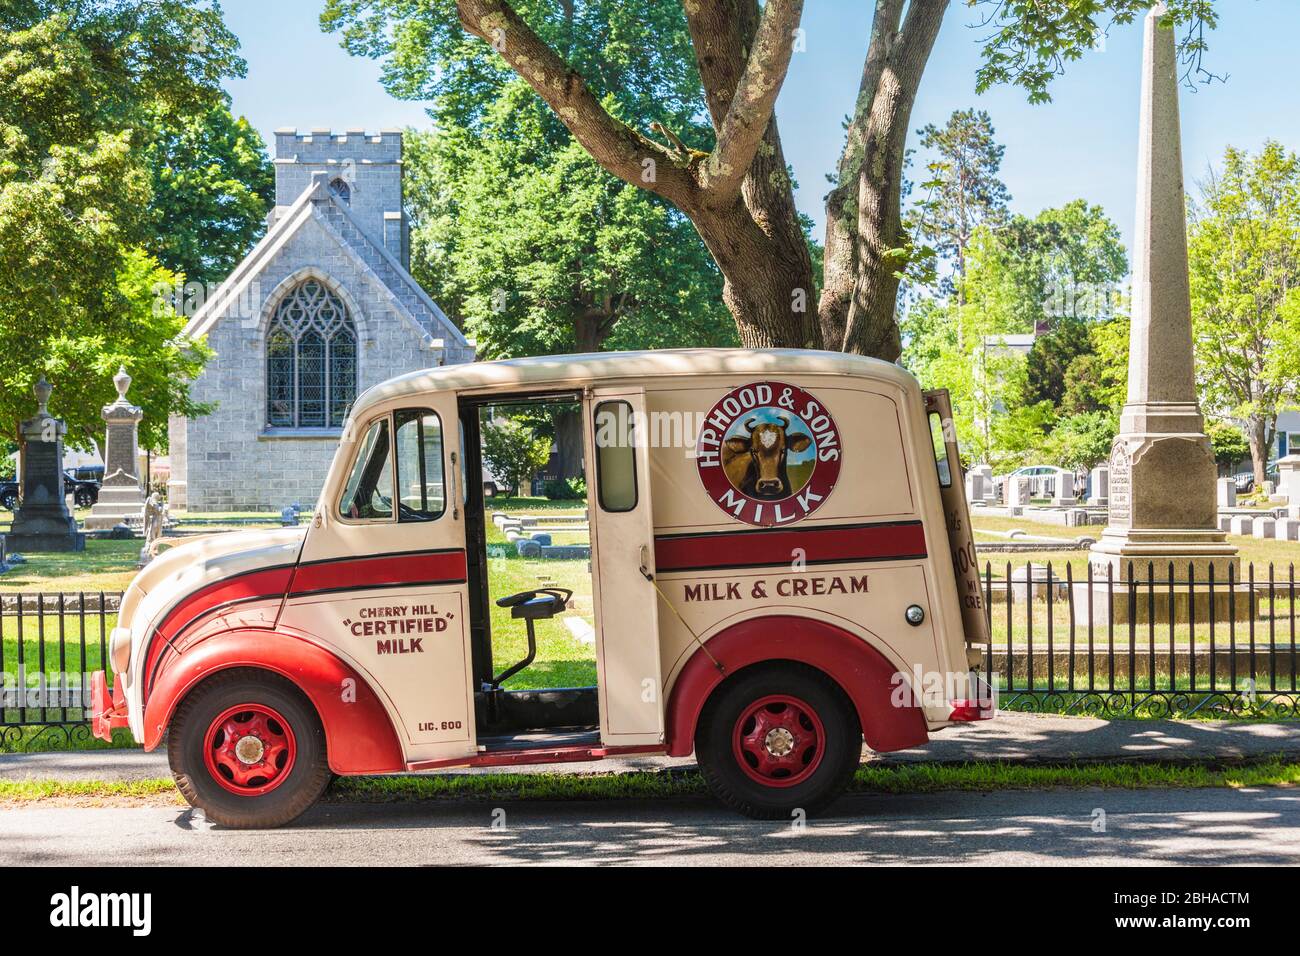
point(83, 498)
point(10, 501)
point(303, 782)
point(841, 742)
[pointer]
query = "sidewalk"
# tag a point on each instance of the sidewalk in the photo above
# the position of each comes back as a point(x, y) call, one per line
point(1013, 737)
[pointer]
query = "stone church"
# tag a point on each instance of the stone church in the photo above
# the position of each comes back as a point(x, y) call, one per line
point(322, 308)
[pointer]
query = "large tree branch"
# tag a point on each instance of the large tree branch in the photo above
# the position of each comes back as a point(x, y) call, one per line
point(884, 35)
point(754, 98)
point(863, 216)
point(839, 257)
point(871, 327)
point(616, 146)
point(720, 35)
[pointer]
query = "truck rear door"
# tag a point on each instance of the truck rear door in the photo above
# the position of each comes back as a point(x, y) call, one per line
point(961, 539)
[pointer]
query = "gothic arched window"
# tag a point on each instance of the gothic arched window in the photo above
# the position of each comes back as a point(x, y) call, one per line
point(311, 360)
point(340, 188)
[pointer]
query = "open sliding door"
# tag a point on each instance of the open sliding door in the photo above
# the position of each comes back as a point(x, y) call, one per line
point(622, 554)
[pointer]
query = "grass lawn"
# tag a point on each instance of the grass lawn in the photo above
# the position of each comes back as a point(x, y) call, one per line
point(1260, 552)
point(271, 517)
point(562, 660)
point(899, 779)
point(7, 517)
point(104, 566)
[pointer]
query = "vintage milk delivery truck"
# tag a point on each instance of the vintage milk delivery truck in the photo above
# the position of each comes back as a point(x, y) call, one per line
point(781, 567)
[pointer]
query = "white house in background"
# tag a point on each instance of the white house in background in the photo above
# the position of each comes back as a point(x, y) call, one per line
point(1287, 441)
point(320, 310)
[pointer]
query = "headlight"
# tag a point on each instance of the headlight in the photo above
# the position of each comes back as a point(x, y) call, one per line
point(119, 649)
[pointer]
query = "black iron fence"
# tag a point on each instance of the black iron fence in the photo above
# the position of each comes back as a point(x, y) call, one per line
point(1147, 641)
point(50, 644)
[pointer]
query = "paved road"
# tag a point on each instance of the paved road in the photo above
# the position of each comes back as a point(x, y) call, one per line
point(1258, 826)
point(1014, 737)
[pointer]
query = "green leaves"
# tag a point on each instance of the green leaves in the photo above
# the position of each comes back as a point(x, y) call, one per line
point(638, 54)
point(963, 192)
point(1058, 270)
point(520, 232)
point(212, 186)
point(1029, 42)
point(1244, 257)
point(512, 452)
point(83, 88)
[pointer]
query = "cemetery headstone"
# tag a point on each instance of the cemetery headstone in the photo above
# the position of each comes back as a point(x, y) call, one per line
point(1286, 529)
point(1100, 493)
point(120, 495)
point(1063, 492)
point(1021, 490)
point(1227, 492)
point(1288, 478)
point(1263, 526)
point(43, 522)
point(152, 518)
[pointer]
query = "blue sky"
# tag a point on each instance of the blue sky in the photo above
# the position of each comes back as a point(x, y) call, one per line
point(1084, 144)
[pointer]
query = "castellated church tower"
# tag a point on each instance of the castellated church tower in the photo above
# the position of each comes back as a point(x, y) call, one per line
point(322, 308)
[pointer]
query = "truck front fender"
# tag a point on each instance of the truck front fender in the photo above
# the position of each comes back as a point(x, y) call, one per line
point(862, 672)
point(359, 735)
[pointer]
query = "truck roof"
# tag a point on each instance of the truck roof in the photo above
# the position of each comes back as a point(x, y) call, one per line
point(560, 371)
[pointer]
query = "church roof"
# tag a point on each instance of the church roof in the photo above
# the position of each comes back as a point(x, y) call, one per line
point(319, 204)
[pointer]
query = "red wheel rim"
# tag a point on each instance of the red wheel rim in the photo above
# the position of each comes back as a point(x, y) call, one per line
point(778, 740)
point(249, 749)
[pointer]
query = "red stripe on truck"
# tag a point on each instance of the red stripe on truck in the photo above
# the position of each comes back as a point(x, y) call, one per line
point(380, 570)
point(245, 586)
point(832, 544)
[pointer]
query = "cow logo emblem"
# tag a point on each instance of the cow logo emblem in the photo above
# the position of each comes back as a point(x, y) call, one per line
point(768, 453)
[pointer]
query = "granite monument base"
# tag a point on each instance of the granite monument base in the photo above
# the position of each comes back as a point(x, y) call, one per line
point(36, 543)
point(1146, 606)
point(116, 505)
point(1190, 551)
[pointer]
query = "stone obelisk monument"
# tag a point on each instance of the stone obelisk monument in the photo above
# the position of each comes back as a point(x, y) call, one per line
point(1162, 471)
point(120, 496)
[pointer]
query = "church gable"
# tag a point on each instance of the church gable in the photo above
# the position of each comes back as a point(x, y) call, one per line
point(320, 310)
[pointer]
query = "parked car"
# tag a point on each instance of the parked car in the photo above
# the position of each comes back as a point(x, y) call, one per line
point(1246, 480)
point(1043, 479)
point(84, 493)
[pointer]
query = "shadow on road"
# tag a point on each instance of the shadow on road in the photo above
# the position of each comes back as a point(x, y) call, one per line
point(1042, 827)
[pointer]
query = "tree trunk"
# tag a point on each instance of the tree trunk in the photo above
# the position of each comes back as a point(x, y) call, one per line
point(864, 232)
point(590, 329)
point(1258, 438)
point(767, 279)
point(568, 442)
point(756, 238)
